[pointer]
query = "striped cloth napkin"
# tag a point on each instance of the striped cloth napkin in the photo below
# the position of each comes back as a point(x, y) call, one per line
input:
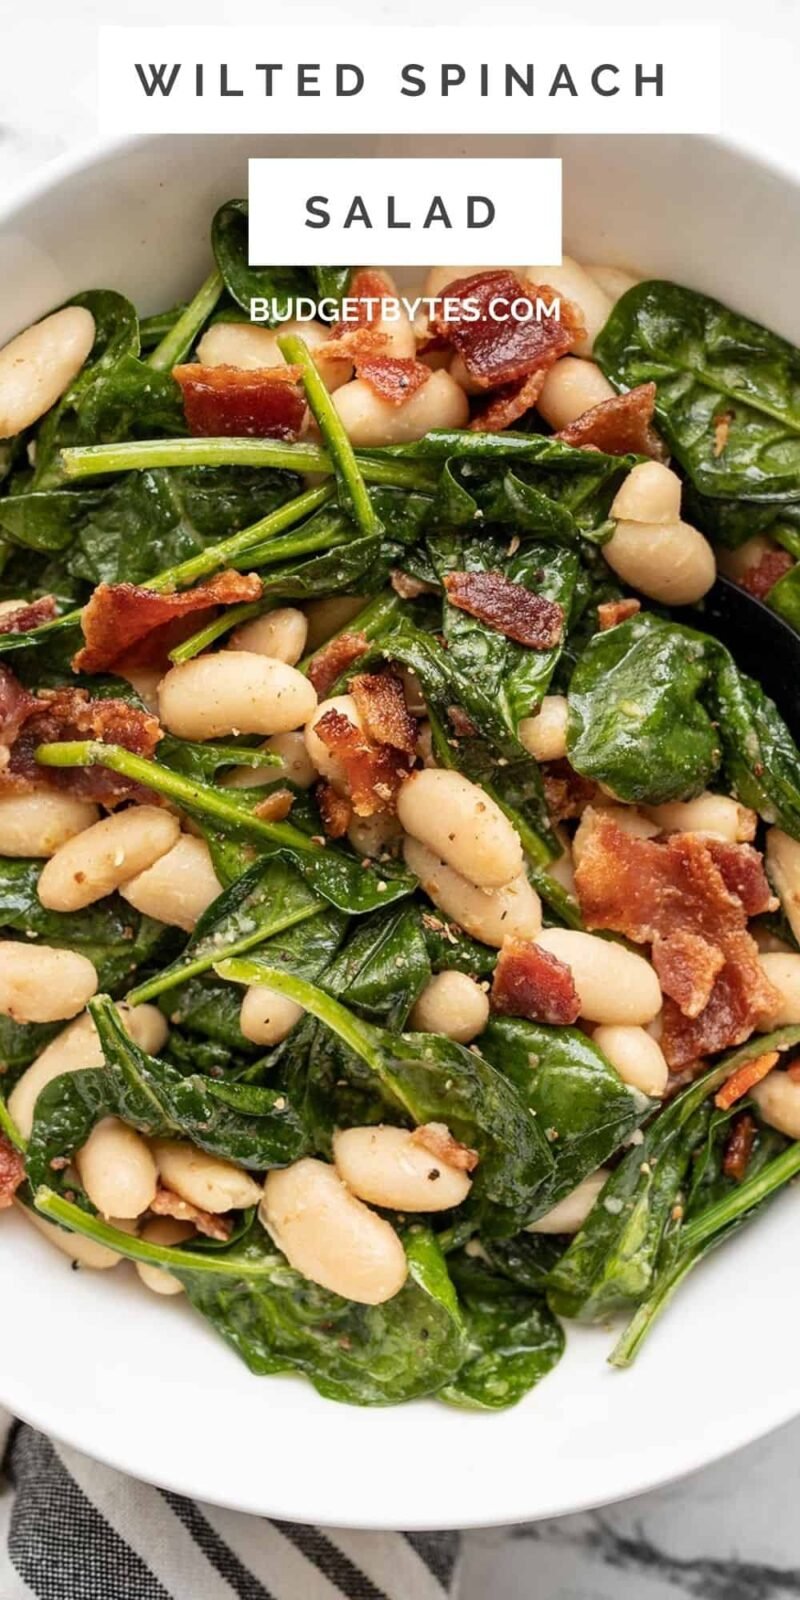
point(71, 1529)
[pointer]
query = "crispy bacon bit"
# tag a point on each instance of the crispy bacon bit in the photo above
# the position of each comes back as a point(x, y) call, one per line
point(461, 724)
point(16, 705)
point(567, 793)
point(793, 1071)
point(392, 378)
point(530, 982)
point(672, 895)
point(722, 427)
point(437, 1138)
point(263, 403)
point(744, 1079)
point(494, 352)
point(739, 1147)
point(30, 615)
point(507, 607)
point(122, 622)
point(12, 1171)
point(743, 874)
point(385, 717)
point(374, 771)
point(358, 336)
point(758, 580)
point(612, 612)
point(62, 714)
point(506, 405)
point(334, 658)
point(275, 806)
point(166, 1203)
point(336, 811)
point(619, 427)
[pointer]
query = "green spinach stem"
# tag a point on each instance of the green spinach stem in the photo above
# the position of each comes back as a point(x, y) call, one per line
point(178, 341)
point(199, 641)
point(57, 1209)
point(341, 451)
point(361, 1038)
point(91, 461)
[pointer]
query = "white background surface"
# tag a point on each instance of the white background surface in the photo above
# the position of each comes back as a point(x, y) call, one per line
point(732, 1532)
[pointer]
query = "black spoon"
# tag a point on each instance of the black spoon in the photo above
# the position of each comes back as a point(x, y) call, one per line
point(761, 643)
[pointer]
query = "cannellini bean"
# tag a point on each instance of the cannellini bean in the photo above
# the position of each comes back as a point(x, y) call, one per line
point(105, 856)
point(396, 328)
point(296, 765)
point(459, 822)
point(737, 563)
point(329, 616)
point(782, 969)
point(650, 493)
point(783, 870)
point(562, 869)
point(266, 1017)
point(145, 680)
point(331, 1237)
point(460, 373)
point(40, 364)
point(491, 915)
point(117, 1169)
point(570, 1213)
point(637, 1056)
point(205, 1181)
point(369, 420)
point(613, 984)
point(7, 606)
point(385, 1166)
point(319, 755)
point(778, 1099)
point(179, 887)
point(85, 1252)
point(76, 1047)
point(166, 1231)
point(424, 746)
point(614, 281)
point(234, 691)
point(413, 692)
point(36, 824)
point(375, 835)
point(39, 983)
point(454, 1004)
point(280, 634)
point(571, 387)
point(244, 345)
point(667, 561)
point(544, 735)
point(714, 815)
point(575, 284)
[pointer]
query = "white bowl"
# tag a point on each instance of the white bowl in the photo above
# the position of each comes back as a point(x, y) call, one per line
point(145, 1384)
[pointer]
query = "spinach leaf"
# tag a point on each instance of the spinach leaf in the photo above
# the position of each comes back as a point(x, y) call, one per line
point(243, 282)
point(760, 758)
point(114, 937)
point(449, 948)
point(513, 1339)
point(20, 1044)
point(526, 1260)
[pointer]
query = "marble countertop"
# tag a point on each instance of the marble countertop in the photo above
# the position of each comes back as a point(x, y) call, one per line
point(730, 1532)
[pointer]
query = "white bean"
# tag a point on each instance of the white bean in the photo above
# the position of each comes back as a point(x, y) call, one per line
point(459, 822)
point(386, 1167)
point(575, 284)
point(85, 1252)
point(329, 616)
point(782, 970)
point(424, 746)
point(614, 281)
point(105, 856)
point(570, 1213)
point(738, 563)
point(76, 1047)
point(296, 764)
point(166, 1231)
point(783, 870)
point(145, 680)
point(562, 869)
point(319, 755)
point(778, 1099)
point(369, 420)
point(9, 606)
point(37, 823)
point(205, 1181)
point(451, 1003)
point(331, 1237)
point(39, 983)
point(715, 816)
point(571, 387)
point(375, 835)
point(544, 735)
point(117, 1170)
point(637, 1056)
point(248, 347)
point(667, 561)
point(266, 1017)
point(40, 364)
point(179, 887)
point(491, 915)
point(280, 634)
point(613, 984)
point(650, 493)
point(234, 691)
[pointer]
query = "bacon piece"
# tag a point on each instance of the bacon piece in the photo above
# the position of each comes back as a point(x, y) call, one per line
point(334, 658)
point(30, 615)
point(166, 1203)
point(437, 1138)
point(508, 404)
point(743, 874)
point(618, 427)
point(567, 793)
point(461, 723)
point(335, 810)
point(530, 982)
point(260, 403)
point(15, 705)
point(612, 612)
point(374, 771)
point(744, 1079)
point(670, 893)
point(392, 378)
point(64, 714)
point(507, 607)
point(275, 806)
point(739, 1147)
point(758, 580)
point(358, 336)
point(12, 1171)
point(385, 717)
point(120, 617)
point(494, 352)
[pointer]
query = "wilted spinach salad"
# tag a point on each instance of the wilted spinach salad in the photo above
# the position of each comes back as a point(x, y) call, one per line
point(400, 903)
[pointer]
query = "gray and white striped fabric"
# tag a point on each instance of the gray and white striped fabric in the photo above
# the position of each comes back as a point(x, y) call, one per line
point(71, 1529)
